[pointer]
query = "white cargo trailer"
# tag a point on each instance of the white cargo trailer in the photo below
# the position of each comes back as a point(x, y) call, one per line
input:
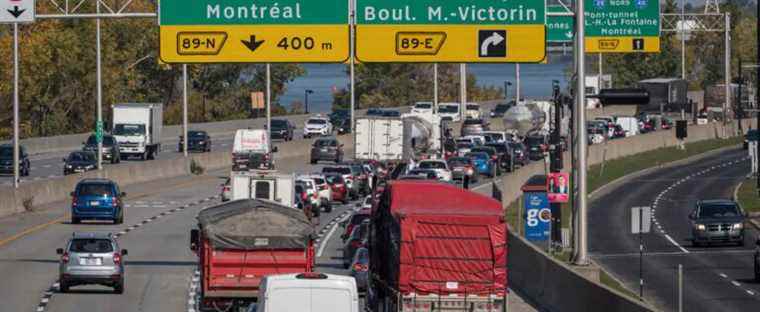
point(268, 185)
point(379, 139)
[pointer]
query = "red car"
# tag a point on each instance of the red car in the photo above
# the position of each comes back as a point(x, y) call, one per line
point(338, 186)
point(357, 218)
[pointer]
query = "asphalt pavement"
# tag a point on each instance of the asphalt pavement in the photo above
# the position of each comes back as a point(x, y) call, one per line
point(716, 278)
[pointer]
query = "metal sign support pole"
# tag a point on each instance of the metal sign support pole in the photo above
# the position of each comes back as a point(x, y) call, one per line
point(352, 55)
point(683, 42)
point(581, 239)
point(15, 107)
point(727, 77)
point(99, 123)
point(435, 88)
point(641, 254)
point(184, 109)
point(462, 89)
point(269, 97)
point(517, 83)
point(680, 288)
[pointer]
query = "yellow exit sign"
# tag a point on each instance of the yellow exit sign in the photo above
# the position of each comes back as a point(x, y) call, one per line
point(254, 44)
point(450, 43)
point(622, 44)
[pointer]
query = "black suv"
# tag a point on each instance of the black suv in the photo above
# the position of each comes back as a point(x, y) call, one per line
point(110, 148)
point(6, 160)
point(196, 141)
point(717, 221)
point(282, 129)
point(326, 149)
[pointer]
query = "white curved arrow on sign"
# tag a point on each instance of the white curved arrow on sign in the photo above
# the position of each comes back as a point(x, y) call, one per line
point(493, 40)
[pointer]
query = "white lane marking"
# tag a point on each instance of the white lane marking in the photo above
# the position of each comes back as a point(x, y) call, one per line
point(723, 275)
point(737, 284)
point(47, 166)
point(751, 293)
point(676, 244)
point(323, 243)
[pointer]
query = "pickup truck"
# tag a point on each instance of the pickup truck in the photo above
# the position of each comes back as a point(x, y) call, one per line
point(240, 242)
point(435, 246)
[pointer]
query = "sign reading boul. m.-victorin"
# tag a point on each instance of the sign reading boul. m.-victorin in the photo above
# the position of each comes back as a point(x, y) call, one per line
point(470, 31)
point(259, 31)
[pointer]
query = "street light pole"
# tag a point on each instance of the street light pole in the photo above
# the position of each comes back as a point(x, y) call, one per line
point(506, 90)
point(580, 256)
point(306, 99)
point(99, 123)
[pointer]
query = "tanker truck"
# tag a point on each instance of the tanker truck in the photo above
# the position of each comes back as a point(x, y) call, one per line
point(534, 117)
point(397, 138)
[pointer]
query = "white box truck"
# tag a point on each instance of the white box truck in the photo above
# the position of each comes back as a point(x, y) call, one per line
point(379, 139)
point(137, 128)
point(268, 185)
point(252, 150)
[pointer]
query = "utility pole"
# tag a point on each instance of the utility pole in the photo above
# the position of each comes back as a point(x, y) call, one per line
point(99, 123)
point(727, 74)
point(16, 148)
point(683, 41)
point(184, 110)
point(757, 98)
point(462, 89)
point(517, 83)
point(269, 98)
point(580, 256)
point(435, 88)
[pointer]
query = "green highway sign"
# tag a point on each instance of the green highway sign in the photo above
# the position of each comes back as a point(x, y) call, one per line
point(450, 31)
point(252, 12)
point(253, 31)
point(622, 25)
point(559, 28)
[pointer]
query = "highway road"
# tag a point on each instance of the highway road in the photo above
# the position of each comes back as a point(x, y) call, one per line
point(716, 278)
point(159, 267)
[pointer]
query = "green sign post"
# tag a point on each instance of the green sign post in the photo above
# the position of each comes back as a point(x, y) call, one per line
point(622, 25)
point(99, 131)
point(559, 28)
point(450, 31)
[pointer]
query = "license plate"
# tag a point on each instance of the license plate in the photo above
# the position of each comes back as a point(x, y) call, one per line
point(89, 261)
point(78, 170)
point(243, 166)
point(324, 150)
point(94, 203)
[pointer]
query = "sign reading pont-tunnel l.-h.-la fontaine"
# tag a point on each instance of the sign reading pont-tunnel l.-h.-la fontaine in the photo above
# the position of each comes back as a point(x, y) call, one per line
point(482, 31)
point(254, 31)
point(622, 25)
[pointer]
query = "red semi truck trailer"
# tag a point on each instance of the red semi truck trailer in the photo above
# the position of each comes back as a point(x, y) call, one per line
point(240, 242)
point(437, 247)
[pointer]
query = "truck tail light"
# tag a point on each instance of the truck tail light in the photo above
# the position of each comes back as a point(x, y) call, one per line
point(360, 267)
point(114, 201)
point(65, 257)
point(116, 258)
point(494, 157)
point(74, 201)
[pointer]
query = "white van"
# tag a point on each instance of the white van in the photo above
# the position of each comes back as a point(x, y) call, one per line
point(251, 150)
point(308, 292)
point(449, 111)
point(629, 124)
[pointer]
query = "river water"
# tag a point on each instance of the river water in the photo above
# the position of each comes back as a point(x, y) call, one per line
point(324, 79)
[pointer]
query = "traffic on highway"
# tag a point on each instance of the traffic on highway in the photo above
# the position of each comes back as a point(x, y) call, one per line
point(159, 157)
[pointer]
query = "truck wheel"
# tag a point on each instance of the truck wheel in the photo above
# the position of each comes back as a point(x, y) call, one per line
point(75, 220)
point(143, 156)
point(328, 207)
point(151, 155)
point(312, 161)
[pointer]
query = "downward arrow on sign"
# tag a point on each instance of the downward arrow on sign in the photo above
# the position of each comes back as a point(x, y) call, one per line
point(16, 12)
point(252, 44)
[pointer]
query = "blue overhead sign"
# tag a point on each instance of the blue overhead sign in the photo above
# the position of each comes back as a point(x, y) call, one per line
point(537, 216)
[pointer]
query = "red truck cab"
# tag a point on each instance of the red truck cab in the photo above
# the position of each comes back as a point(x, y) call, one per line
point(435, 246)
point(240, 242)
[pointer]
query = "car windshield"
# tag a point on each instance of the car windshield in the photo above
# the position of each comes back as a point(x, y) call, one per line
point(432, 165)
point(477, 155)
point(358, 218)
point(95, 189)
point(128, 130)
point(534, 140)
point(473, 107)
point(501, 148)
point(334, 179)
point(317, 122)
point(279, 124)
point(448, 109)
point(516, 145)
point(471, 122)
point(483, 150)
point(359, 232)
point(423, 105)
point(458, 162)
point(391, 114)
point(80, 157)
point(6, 152)
point(718, 211)
point(501, 108)
point(319, 181)
point(107, 140)
point(91, 245)
point(325, 143)
point(299, 188)
point(341, 170)
point(196, 134)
